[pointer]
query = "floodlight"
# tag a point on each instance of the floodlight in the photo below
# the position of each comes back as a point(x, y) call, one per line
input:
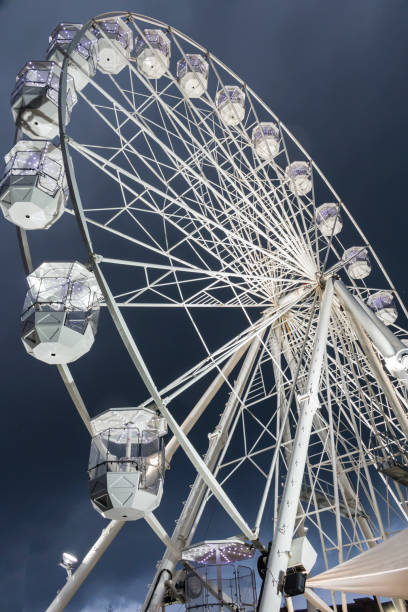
point(69, 560)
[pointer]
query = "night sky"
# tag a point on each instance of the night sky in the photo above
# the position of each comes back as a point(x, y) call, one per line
point(335, 73)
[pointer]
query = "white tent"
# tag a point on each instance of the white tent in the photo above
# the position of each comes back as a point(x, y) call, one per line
point(382, 571)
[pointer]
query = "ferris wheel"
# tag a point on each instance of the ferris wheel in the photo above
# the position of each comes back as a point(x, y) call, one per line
point(212, 218)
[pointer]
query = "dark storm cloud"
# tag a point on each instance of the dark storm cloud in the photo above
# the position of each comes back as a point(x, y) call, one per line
point(335, 73)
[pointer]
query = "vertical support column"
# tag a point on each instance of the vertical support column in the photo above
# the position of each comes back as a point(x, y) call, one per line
point(308, 404)
point(182, 533)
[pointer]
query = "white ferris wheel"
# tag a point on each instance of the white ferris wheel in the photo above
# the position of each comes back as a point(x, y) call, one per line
point(211, 217)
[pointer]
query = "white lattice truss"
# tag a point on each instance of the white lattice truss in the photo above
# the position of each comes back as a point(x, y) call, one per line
point(190, 218)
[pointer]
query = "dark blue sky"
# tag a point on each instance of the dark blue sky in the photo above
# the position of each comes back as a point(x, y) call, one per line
point(335, 73)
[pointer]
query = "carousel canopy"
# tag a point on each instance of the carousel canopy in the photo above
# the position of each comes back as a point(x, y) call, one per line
point(218, 552)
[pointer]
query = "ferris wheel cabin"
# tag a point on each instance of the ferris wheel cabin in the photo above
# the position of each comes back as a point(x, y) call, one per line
point(126, 462)
point(328, 219)
point(192, 75)
point(33, 189)
point(115, 44)
point(357, 262)
point(230, 103)
point(299, 175)
point(382, 303)
point(34, 100)
point(60, 314)
point(266, 140)
point(82, 61)
point(152, 51)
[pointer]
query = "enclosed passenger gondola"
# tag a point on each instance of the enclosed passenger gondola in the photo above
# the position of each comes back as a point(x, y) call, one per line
point(60, 315)
point(192, 75)
point(230, 103)
point(299, 175)
point(34, 100)
point(266, 140)
point(152, 51)
point(115, 44)
point(382, 303)
point(83, 58)
point(33, 189)
point(126, 463)
point(357, 262)
point(328, 219)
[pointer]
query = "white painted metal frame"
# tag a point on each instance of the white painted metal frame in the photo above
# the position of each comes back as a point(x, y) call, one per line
point(235, 237)
point(308, 405)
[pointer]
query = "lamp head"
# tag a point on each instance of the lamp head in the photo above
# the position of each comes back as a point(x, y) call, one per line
point(68, 560)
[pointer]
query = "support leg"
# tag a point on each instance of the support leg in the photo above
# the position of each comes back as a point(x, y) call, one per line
point(181, 534)
point(279, 555)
